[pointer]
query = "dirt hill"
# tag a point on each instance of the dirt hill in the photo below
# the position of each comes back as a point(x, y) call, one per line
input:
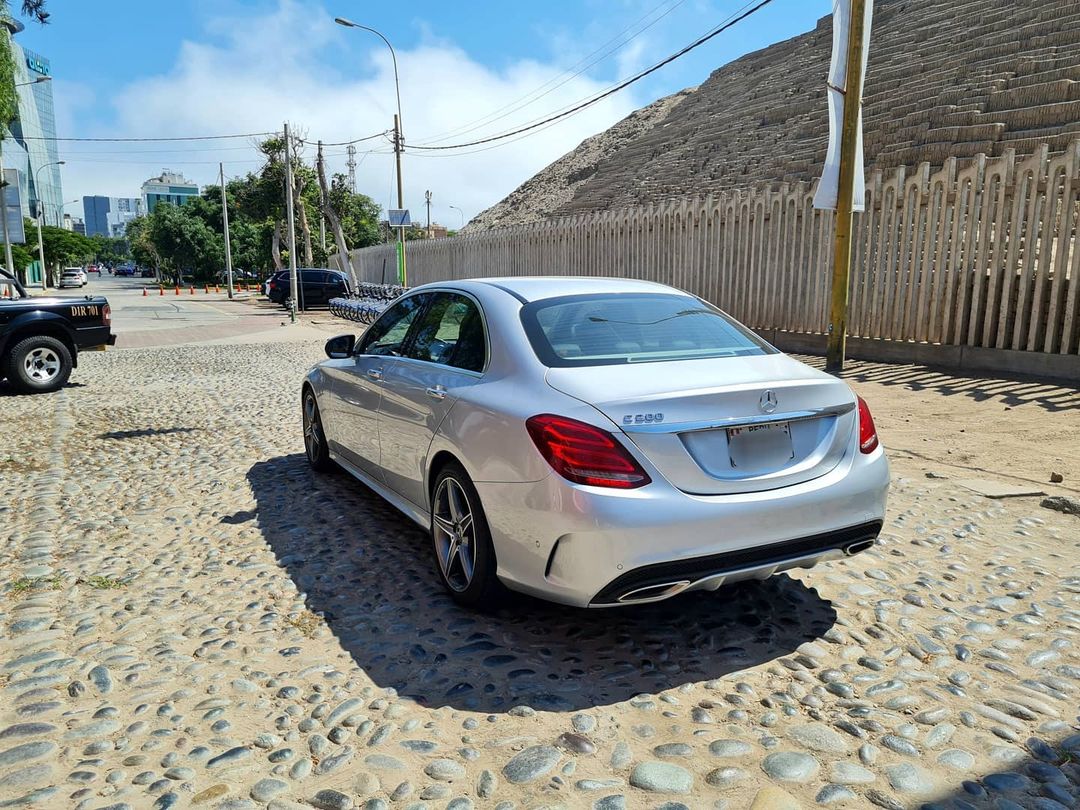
point(946, 77)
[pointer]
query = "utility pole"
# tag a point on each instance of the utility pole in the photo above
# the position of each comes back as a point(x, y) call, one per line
point(841, 277)
point(225, 221)
point(291, 233)
point(350, 150)
point(41, 246)
point(398, 144)
point(322, 217)
point(427, 200)
point(9, 262)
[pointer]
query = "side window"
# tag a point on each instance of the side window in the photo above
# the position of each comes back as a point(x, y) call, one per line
point(311, 277)
point(386, 335)
point(451, 334)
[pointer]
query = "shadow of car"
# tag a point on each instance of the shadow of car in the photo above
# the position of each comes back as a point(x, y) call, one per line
point(367, 570)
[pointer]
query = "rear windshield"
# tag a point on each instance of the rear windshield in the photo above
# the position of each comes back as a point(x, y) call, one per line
point(598, 330)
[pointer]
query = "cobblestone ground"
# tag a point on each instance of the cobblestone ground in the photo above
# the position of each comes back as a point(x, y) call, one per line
point(191, 618)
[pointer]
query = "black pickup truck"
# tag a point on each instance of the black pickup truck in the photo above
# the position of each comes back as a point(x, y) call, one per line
point(41, 336)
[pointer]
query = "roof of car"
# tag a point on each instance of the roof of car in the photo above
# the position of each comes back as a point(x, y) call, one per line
point(536, 288)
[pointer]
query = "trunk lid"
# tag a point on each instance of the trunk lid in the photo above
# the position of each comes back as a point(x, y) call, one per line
point(723, 425)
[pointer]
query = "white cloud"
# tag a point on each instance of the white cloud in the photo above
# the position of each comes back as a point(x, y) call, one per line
point(294, 64)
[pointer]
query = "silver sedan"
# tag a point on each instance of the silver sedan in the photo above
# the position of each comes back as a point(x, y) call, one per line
point(595, 442)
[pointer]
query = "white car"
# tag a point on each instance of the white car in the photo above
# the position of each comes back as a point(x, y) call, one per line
point(595, 442)
point(73, 277)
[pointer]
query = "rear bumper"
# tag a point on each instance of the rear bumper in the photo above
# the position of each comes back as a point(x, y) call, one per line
point(94, 336)
point(593, 547)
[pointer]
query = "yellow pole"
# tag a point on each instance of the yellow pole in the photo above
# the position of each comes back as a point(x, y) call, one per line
point(841, 277)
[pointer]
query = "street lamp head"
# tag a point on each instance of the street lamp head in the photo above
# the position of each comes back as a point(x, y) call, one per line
point(41, 79)
point(346, 23)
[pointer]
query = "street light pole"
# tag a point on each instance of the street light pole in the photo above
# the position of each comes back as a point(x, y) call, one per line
point(460, 214)
point(225, 222)
point(399, 137)
point(40, 217)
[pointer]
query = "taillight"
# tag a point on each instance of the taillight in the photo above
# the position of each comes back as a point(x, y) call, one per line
point(868, 440)
point(273, 285)
point(106, 315)
point(585, 454)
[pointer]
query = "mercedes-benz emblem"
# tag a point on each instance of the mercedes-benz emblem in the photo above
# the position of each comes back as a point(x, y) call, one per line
point(767, 403)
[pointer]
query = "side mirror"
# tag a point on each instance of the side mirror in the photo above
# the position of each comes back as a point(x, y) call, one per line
point(340, 347)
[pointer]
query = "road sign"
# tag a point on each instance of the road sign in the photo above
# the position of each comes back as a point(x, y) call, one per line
point(13, 207)
point(399, 217)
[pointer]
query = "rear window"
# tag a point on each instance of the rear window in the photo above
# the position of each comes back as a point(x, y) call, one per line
point(598, 330)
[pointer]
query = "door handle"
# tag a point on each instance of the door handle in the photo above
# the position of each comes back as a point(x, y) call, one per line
point(375, 374)
point(436, 392)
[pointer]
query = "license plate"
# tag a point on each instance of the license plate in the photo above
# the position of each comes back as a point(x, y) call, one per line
point(760, 446)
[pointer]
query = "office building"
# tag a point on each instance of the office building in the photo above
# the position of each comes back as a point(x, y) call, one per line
point(31, 148)
point(168, 187)
point(109, 216)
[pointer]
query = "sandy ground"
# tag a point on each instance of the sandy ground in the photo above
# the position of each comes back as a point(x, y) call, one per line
point(970, 427)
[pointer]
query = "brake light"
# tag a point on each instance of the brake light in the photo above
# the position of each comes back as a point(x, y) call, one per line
point(868, 440)
point(106, 315)
point(273, 285)
point(585, 454)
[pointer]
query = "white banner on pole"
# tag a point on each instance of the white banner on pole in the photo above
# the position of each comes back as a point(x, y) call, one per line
point(825, 196)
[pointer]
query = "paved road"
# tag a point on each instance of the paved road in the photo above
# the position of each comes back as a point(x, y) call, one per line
point(170, 319)
point(192, 618)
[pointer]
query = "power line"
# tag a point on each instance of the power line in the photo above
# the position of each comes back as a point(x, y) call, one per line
point(611, 91)
point(570, 73)
point(308, 141)
point(143, 140)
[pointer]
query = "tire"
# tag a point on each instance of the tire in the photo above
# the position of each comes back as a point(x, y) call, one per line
point(481, 589)
point(39, 364)
point(315, 446)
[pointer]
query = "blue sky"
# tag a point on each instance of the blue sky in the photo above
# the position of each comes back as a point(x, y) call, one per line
point(193, 67)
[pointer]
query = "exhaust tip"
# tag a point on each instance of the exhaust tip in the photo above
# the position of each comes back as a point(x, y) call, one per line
point(855, 548)
point(652, 592)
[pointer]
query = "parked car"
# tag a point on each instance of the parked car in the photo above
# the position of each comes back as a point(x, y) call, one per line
point(124, 270)
point(317, 286)
point(271, 287)
point(41, 337)
point(72, 277)
point(146, 272)
point(595, 442)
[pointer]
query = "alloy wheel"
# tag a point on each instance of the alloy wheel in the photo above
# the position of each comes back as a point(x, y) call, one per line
point(42, 364)
point(312, 428)
point(454, 534)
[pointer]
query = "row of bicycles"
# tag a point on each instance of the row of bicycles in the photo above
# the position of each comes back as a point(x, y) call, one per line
point(368, 304)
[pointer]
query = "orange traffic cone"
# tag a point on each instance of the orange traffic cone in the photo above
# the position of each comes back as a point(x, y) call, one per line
point(144, 292)
point(206, 289)
point(177, 289)
point(191, 290)
point(160, 290)
point(217, 289)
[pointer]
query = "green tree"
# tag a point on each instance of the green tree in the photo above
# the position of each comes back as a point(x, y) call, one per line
point(63, 248)
point(187, 244)
point(9, 104)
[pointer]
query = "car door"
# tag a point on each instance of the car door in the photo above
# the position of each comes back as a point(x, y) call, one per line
point(357, 385)
point(310, 288)
point(445, 355)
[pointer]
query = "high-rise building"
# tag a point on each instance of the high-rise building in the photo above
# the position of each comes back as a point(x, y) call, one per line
point(170, 187)
point(109, 216)
point(31, 149)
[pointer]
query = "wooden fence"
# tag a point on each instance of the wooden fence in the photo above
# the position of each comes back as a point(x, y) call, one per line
point(985, 257)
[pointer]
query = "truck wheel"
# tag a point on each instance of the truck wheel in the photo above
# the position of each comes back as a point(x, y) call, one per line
point(39, 364)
